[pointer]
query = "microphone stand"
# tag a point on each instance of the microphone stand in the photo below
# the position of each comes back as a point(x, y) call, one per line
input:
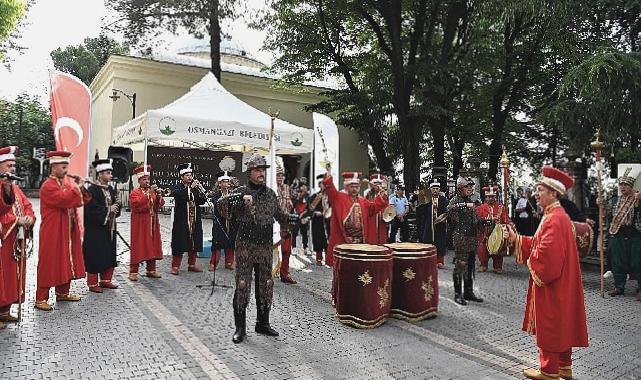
point(213, 283)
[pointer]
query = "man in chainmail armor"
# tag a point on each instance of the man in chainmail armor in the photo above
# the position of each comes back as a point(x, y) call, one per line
point(255, 207)
point(465, 224)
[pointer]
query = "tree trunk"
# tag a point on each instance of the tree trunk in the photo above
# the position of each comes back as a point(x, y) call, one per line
point(411, 166)
point(214, 38)
point(385, 164)
point(496, 147)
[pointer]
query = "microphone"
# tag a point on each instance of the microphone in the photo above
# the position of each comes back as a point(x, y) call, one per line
point(11, 177)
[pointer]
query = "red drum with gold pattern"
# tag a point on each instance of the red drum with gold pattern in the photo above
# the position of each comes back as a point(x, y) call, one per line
point(415, 284)
point(362, 284)
point(584, 238)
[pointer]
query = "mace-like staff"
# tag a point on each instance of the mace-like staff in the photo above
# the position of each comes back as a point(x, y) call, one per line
point(597, 145)
point(505, 165)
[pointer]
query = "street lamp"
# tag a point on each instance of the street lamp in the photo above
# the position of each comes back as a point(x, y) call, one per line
point(132, 98)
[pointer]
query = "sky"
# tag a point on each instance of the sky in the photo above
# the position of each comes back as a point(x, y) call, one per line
point(59, 23)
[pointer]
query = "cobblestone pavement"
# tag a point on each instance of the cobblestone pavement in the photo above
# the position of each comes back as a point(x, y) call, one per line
point(170, 329)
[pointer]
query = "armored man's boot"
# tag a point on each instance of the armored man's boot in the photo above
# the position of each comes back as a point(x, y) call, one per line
point(241, 327)
point(262, 324)
point(458, 296)
point(468, 292)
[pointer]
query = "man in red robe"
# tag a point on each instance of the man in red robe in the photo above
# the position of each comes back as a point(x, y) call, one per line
point(146, 245)
point(376, 179)
point(555, 309)
point(60, 257)
point(16, 229)
point(353, 216)
point(491, 212)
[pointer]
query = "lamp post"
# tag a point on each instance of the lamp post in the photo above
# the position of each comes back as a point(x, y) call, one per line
point(132, 98)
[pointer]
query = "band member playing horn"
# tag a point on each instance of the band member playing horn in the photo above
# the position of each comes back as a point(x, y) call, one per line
point(376, 179)
point(60, 259)
point(624, 245)
point(431, 215)
point(492, 212)
point(353, 216)
point(99, 244)
point(287, 205)
point(16, 224)
point(255, 207)
point(146, 245)
point(223, 233)
point(555, 308)
point(465, 223)
point(187, 231)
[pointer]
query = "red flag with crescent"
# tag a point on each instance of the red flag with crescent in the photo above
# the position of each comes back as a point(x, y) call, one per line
point(71, 119)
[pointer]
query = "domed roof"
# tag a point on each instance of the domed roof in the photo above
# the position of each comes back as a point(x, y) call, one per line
point(227, 46)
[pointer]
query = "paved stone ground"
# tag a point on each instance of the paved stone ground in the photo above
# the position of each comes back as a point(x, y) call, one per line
point(171, 329)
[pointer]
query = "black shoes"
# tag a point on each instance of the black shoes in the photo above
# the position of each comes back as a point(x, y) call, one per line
point(241, 329)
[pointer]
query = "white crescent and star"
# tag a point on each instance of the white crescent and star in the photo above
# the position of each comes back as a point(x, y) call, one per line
point(67, 122)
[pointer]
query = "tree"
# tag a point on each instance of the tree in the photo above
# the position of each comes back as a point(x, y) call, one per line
point(27, 124)
point(11, 11)
point(149, 18)
point(85, 60)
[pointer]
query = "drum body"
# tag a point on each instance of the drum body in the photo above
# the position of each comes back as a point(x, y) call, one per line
point(415, 281)
point(584, 238)
point(362, 284)
point(497, 241)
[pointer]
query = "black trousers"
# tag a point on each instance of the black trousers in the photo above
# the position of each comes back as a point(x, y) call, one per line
point(304, 231)
point(394, 226)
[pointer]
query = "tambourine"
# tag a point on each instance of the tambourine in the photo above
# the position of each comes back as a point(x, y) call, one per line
point(497, 242)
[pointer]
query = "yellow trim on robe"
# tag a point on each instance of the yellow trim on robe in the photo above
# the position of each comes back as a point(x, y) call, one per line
point(535, 277)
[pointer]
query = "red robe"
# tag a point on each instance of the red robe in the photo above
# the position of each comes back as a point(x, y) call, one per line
point(341, 207)
point(6, 204)
point(60, 251)
point(555, 309)
point(145, 227)
point(8, 264)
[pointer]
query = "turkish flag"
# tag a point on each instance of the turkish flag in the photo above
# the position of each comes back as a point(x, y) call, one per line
point(71, 119)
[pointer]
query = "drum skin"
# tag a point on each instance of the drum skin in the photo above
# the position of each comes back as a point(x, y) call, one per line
point(497, 242)
point(584, 238)
point(415, 281)
point(362, 284)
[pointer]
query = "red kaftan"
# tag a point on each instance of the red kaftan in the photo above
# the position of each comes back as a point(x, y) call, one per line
point(146, 241)
point(341, 207)
point(60, 251)
point(555, 309)
point(9, 266)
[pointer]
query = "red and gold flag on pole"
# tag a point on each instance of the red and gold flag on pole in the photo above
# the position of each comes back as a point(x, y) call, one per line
point(71, 119)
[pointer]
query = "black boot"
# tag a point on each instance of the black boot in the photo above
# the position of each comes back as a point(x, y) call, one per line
point(262, 324)
point(458, 298)
point(241, 326)
point(468, 293)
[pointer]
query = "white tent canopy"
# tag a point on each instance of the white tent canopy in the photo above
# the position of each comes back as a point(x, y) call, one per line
point(210, 117)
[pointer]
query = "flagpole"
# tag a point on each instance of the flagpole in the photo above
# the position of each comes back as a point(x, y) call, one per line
point(597, 145)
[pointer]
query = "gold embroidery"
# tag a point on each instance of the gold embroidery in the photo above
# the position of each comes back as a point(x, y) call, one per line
point(383, 294)
point(409, 274)
point(365, 278)
point(428, 289)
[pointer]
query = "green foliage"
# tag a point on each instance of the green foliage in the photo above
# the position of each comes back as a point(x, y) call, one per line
point(11, 11)
point(142, 21)
point(85, 60)
point(27, 124)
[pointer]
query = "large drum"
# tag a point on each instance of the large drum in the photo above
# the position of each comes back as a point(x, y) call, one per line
point(362, 284)
point(415, 281)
